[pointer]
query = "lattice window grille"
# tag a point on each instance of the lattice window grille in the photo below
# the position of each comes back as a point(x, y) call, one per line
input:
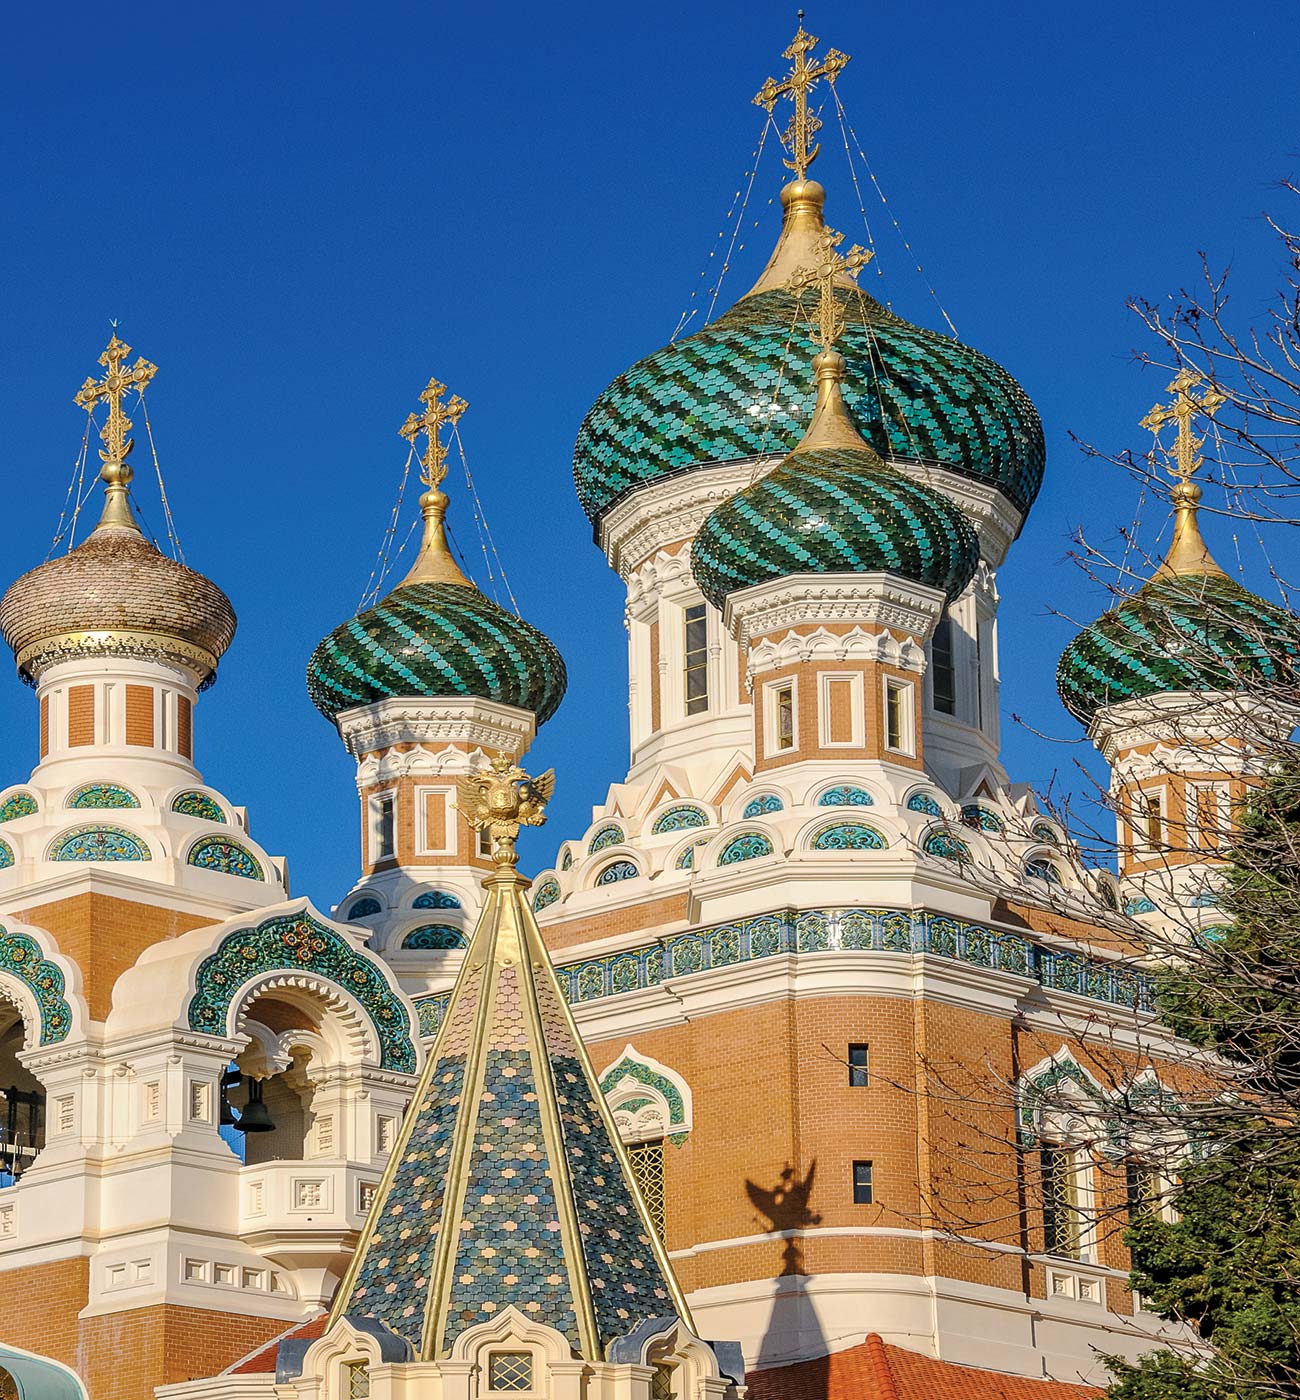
point(647, 1160)
point(510, 1370)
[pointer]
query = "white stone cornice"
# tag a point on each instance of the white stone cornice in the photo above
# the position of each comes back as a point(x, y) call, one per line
point(858, 645)
point(369, 729)
point(879, 599)
point(666, 512)
point(1199, 729)
point(663, 573)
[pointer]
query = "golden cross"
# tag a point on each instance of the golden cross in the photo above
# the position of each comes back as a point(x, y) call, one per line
point(1182, 411)
point(804, 125)
point(831, 264)
point(113, 387)
point(436, 413)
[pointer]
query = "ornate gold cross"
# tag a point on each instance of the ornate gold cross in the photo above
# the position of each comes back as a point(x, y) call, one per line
point(113, 388)
point(436, 413)
point(1183, 409)
point(804, 125)
point(831, 263)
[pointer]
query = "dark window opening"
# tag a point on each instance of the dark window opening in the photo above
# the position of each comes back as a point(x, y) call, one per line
point(859, 1066)
point(697, 659)
point(863, 1191)
point(943, 670)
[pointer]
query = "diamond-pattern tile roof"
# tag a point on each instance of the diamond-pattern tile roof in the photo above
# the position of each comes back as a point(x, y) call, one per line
point(1185, 632)
point(439, 640)
point(740, 388)
point(507, 1186)
point(833, 512)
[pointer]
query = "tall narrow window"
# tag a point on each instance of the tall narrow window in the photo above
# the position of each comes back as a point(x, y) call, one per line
point(1141, 1187)
point(1151, 811)
point(943, 671)
point(785, 717)
point(1063, 1222)
point(697, 659)
point(384, 828)
point(863, 1188)
point(647, 1159)
point(859, 1066)
point(898, 716)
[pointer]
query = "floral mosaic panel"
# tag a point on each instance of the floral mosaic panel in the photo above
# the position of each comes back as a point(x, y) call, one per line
point(226, 857)
point(947, 846)
point(566, 860)
point(849, 836)
point(299, 943)
point(652, 1079)
point(749, 846)
point(105, 795)
point(547, 893)
point(436, 899)
point(1040, 831)
point(6, 855)
point(609, 835)
point(620, 870)
point(99, 843)
point(365, 907)
point(678, 819)
point(21, 957)
point(434, 936)
point(846, 796)
point(923, 802)
point(686, 859)
point(982, 818)
point(198, 804)
point(21, 804)
point(763, 806)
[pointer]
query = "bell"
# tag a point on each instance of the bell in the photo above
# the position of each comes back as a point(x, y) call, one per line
point(254, 1117)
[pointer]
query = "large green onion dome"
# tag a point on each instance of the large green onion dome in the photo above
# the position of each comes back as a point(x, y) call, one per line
point(1197, 632)
point(833, 507)
point(1191, 628)
point(436, 636)
point(738, 388)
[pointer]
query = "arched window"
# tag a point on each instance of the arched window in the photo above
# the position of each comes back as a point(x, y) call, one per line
point(22, 1102)
point(365, 907)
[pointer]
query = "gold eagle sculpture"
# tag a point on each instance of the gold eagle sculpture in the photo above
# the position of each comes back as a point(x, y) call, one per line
point(500, 799)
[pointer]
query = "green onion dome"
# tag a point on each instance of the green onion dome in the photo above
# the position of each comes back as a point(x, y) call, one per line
point(436, 636)
point(1181, 632)
point(739, 388)
point(833, 507)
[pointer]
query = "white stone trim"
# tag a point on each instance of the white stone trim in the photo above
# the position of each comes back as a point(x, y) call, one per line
point(869, 599)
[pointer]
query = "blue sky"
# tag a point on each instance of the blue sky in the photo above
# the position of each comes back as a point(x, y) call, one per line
point(301, 212)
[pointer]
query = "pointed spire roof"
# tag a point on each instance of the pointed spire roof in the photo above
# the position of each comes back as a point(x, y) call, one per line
point(508, 1185)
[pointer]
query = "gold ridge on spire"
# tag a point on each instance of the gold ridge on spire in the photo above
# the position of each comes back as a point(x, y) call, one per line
point(831, 425)
point(802, 78)
point(434, 562)
point(115, 473)
point(1188, 552)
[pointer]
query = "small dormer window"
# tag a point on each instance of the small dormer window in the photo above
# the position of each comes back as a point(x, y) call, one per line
point(510, 1370)
point(356, 1380)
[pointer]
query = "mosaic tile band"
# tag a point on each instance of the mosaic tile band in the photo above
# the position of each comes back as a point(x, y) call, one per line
point(21, 958)
point(838, 930)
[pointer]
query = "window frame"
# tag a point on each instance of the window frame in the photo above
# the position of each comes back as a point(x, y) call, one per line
point(772, 709)
point(859, 1068)
point(944, 627)
point(863, 1182)
point(892, 686)
point(378, 804)
point(695, 660)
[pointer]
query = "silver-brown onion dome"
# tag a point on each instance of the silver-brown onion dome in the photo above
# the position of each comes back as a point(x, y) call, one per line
point(116, 594)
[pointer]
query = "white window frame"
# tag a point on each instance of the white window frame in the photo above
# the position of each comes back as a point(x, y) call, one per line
point(1143, 847)
point(374, 808)
point(422, 844)
point(1198, 838)
point(708, 659)
point(857, 707)
point(771, 716)
point(1083, 1171)
point(907, 689)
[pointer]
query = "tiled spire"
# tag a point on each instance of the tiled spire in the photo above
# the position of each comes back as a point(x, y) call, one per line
point(508, 1184)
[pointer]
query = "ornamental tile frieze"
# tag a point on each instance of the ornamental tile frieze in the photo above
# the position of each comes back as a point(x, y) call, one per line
point(21, 957)
point(839, 930)
point(299, 943)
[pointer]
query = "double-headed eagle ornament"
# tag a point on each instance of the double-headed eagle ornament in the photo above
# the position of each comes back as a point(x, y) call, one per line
point(500, 799)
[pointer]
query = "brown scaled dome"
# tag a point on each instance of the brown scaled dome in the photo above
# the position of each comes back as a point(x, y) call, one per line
point(115, 594)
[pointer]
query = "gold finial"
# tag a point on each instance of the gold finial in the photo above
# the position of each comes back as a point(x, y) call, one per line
point(1188, 553)
point(831, 425)
point(115, 473)
point(434, 562)
point(804, 125)
point(501, 798)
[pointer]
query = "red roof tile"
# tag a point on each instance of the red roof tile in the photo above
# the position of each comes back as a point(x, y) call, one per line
point(877, 1371)
point(262, 1360)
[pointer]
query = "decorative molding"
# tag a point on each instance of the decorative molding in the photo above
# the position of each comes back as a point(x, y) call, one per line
point(21, 958)
point(1194, 727)
point(648, 1100)
point(298, 943)
point(797, 648)
point(373, 729)
point(878, 599)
